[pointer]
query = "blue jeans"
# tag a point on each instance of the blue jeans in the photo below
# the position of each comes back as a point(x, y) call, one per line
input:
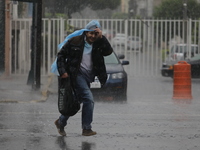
point(85, 96)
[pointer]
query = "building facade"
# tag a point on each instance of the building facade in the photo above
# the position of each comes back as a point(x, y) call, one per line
point(142, 8)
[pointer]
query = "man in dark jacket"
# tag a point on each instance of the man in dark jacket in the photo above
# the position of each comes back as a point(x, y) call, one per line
point(82, 58)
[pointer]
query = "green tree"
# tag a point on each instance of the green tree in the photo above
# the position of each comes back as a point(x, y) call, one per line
point(174, 9)
point(70, 6)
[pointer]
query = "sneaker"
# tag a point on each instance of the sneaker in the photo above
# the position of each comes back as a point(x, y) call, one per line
point(88, 132)
point(61, 130)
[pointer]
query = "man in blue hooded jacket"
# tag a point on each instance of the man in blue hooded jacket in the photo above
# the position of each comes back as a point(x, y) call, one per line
point(85, 60)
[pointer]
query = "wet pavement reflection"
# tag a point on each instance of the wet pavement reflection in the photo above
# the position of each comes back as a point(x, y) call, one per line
point(60, 141)
point(88, 146)
point(62, 144)
point(182, 110)
point(149, 120)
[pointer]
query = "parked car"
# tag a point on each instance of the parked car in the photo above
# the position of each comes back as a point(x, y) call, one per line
point(181, 51)
point(134, 42)
point(109, 34)
point(119, 39)
point(116, 84)
point(168, 68)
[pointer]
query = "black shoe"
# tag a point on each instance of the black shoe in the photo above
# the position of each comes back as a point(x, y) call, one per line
point(61, 130)
point(88, 132)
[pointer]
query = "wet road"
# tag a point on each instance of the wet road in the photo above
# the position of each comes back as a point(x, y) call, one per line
point(149, 120)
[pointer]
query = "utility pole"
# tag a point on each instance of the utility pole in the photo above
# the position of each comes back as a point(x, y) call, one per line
point(185, 9)
point(38, 39)
point(185, 20)
point(7, 38)
point(34, 77)
point(2, 36)
point(132, 8)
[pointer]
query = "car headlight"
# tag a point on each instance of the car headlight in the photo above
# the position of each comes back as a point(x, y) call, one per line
point(117, 75)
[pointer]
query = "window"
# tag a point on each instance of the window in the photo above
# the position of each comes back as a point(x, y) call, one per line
point(111, 59)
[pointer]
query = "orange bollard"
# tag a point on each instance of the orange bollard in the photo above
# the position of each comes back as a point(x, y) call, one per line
point(182, 81)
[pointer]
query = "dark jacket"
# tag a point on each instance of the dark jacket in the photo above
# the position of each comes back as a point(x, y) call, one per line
point(73, 52)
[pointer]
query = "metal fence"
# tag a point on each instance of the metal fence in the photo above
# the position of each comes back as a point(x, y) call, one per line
point(155, 39)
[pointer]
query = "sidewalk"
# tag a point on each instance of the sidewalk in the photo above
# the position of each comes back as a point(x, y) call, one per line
point(14, 89)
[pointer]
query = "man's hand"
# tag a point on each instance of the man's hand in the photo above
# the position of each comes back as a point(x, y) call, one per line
point(65, 75)
point(97, 30)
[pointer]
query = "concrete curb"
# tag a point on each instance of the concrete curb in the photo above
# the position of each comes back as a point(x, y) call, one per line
point(44, 94)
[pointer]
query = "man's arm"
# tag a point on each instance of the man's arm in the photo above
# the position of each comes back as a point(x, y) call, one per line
point(105, 46)
point(103, 43)
point(61, 60)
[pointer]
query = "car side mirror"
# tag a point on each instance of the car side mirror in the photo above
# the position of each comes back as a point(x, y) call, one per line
point(125, 62)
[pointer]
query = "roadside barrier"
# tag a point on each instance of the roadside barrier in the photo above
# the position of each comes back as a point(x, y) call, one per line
point(182, 81)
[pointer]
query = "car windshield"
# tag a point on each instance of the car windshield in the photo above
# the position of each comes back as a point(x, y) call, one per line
point(111, 59)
